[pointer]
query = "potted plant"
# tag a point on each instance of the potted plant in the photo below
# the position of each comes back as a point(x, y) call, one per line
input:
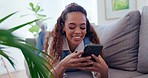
point(38, 66)
point(35, 26)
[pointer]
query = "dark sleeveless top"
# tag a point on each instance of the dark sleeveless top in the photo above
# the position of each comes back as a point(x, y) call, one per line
point(67, 52)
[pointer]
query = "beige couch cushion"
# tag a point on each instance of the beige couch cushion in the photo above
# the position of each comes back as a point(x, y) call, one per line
point(121, 41)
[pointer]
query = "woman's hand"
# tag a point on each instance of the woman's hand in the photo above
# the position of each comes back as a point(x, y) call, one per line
point(74, 61)
point(71, 61)
point(99, 66)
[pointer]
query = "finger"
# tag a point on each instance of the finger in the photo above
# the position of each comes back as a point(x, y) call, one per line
point(96, 58)
point(84, 59)
point(88, 68)
point(77, 54)
point(84, 64)
point(81, 64)
point(83, 68)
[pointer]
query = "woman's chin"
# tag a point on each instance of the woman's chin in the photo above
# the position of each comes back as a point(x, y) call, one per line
point(76, 42)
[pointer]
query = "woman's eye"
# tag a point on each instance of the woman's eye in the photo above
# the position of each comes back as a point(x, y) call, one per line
point(71, 27)
point(83, 27)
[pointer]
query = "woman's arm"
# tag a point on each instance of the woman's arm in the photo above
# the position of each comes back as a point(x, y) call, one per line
point(58, 71)
point(102, 67)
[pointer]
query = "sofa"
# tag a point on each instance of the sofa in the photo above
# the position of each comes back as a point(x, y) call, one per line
point(125, 45)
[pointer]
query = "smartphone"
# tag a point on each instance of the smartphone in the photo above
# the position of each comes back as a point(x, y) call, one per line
point(90, 49)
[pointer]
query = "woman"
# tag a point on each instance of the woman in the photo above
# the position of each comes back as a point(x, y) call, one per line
point(71, 33)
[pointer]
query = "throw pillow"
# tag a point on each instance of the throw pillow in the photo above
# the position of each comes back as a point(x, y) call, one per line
point(121, 41)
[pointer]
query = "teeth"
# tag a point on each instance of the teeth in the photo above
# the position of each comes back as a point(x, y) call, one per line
point(76, 37)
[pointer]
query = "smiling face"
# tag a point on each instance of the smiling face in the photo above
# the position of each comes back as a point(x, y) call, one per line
point(75, 28)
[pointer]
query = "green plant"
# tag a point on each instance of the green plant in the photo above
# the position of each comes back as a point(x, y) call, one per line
point(38, 66)
point(36, 9)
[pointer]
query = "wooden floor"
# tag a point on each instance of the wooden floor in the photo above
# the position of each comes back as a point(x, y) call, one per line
point(18, 74)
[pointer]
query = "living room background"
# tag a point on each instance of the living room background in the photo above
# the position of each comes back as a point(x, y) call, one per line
point(52, 8)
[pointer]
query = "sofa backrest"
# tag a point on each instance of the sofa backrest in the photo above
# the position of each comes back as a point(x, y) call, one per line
point(143, 43)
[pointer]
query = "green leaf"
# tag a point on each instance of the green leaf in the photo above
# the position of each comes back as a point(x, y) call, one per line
point(6, 17)
point(34, 28)
point(36, 63)
point(37, 8)
point(41, 15)
point(31, 5)
point(7, 57)
point(26, 15)
point(5, 36)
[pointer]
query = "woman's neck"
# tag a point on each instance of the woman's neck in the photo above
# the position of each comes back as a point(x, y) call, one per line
point(72, 47)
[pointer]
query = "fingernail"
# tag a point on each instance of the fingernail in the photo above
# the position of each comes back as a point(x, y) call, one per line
point(89, 57)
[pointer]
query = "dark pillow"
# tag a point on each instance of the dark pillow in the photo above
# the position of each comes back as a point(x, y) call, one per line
point(121, 41)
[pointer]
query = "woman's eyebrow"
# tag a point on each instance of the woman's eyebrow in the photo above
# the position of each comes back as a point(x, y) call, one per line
point(83, 24)
point(72, 23)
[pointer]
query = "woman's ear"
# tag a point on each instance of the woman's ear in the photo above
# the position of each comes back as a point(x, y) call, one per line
point(63, 31)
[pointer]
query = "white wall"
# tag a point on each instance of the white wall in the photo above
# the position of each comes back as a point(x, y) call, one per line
point(141, 3)
point(52, 8)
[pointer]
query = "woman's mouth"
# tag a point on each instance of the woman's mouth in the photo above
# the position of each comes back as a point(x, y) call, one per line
point(77, 38)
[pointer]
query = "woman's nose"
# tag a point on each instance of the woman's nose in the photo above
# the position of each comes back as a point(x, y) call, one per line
point(77, 30)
